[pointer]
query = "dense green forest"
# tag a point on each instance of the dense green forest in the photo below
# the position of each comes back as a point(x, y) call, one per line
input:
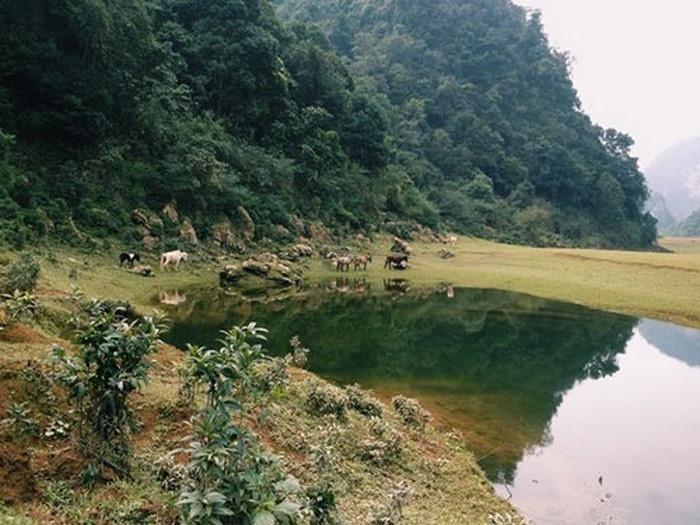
point(357, 114)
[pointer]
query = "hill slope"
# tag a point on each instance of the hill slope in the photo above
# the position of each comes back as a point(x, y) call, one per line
point(675, 175)
point(448, 113)
point(479, 100)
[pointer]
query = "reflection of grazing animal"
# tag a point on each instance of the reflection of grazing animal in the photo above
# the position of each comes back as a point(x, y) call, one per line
point(362, 260)
point(171, 299)
point(342, 264)
point(175, 258)
point(129, 258)
point(395, 260)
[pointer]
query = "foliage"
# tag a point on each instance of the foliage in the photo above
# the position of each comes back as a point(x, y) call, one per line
point(21, 420)
point(360, 401)
point(690, 227)
point(19, 306)
point(21, 275)
point(411, 412)
point(356, 114)
point(300, 354)
point(326, 400)
point(231, 479)
point(481, 107)
point(110, 363)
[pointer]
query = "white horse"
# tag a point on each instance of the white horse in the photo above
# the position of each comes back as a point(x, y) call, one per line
point(175, 258)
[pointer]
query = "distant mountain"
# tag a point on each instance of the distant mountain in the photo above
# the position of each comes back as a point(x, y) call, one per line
point(659, 209)
point(675, 175)
point(675, 341)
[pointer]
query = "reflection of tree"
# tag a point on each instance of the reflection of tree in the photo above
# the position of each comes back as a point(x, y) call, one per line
point(496, 365)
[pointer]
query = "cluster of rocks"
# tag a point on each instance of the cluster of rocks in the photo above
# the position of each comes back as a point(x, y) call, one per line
point(266, 267)
point(445, 254)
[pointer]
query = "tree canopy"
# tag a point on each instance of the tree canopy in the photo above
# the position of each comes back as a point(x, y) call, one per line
point(356, 114)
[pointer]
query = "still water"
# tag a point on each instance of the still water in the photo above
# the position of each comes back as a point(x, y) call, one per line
point(577, 416)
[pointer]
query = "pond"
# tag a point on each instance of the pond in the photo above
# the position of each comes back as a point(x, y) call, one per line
point(577, 416)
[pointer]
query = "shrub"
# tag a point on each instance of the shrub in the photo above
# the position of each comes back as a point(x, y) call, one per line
point(381, 452)
point(411, 412)
point(21, 275)
point(392, 512)
point(110, 363)
point(19, 306)
point(21, 420)
point(324, 400)
point(360, 401)
point(300, 355)
point(230, 478)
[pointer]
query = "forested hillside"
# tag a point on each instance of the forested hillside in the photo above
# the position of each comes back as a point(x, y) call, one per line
point(355, 114)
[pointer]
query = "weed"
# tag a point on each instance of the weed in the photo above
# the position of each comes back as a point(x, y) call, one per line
point(324, 399)
point(360, 401)
point(411, 412)
point(20, 275)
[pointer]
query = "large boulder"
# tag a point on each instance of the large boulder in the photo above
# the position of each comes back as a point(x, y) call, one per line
point(302, 250)
point(401, 246)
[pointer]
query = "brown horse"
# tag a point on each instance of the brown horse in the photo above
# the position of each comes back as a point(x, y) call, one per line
point(363, 261)
point(395, 260)
point(342, 264)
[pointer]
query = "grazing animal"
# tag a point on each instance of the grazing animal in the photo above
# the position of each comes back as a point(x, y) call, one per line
point(342, 264)
point(451, 241)
point(173, 258)
point(362, 260)
point(396, 260)
point(129, 259)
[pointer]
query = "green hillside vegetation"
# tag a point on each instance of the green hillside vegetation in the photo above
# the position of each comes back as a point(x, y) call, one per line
point(375, 116)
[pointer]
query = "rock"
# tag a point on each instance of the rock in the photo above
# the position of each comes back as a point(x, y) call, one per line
point(230, 275)
point(361, 238)
point(188, 232)
point(139, 218)
point(247, 224)
point(170, 212)
point(145, 271)
point(401, 246)
point(445, 254)
point(266, 257)
point(256, 268)
point(303, 250)
point(281, 231)
point(222, 234)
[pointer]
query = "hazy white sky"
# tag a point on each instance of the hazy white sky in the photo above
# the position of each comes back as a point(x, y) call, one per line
point(637, 64)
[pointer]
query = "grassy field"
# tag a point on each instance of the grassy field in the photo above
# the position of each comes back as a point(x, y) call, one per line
point(658, 285)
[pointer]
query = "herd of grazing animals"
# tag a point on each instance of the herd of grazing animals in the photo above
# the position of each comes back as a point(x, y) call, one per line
point(396, 260)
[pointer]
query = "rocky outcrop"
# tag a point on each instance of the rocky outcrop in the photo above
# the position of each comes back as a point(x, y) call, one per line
point(170, 212)
point(187, 231)
point(246, 224)
point(148, 225)
point(401, 246)
point(263, 270)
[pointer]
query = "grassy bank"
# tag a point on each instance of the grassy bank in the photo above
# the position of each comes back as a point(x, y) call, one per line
point(438, 479)
point(663, 286)
point(657, 285)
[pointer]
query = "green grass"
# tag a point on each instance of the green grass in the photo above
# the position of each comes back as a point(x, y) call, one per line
point(663, 286)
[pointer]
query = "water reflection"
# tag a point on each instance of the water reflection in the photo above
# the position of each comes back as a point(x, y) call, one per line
point(493, 364)
point(577, 414)
point(675, 341)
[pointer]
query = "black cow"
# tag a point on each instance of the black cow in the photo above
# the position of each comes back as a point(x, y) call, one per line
point(129, 258)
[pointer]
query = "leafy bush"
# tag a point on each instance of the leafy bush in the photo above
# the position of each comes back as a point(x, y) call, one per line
point(19, 417)
point(324, 400)
point(411, 412)
point(360, 401)
point(230, 478)
point(19, 306)
point(300, 355)
point(20, 275)
point(110, 363)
